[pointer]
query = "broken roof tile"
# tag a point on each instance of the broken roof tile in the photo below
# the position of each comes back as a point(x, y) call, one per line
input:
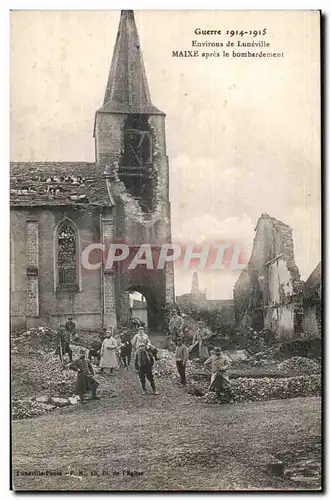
point(57, 183)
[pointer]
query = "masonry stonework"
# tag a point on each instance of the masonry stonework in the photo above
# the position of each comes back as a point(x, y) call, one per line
point(122, 197)
point(268, 293)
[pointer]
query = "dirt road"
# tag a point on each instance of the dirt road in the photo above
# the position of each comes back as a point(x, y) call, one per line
point(164, 442)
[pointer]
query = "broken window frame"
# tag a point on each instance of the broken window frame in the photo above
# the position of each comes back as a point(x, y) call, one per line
point(136, 166)
point(144, 135)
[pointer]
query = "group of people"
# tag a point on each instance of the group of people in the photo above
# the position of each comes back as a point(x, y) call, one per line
point(110, 351)
point(219, 363)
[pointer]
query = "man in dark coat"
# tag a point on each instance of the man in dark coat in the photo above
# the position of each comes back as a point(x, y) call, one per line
point(85, 377)
point(144, 362)
point(126, 348)
point(63, 343)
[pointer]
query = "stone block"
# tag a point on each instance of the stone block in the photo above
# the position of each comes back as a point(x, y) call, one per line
point(60, 401)
point(43, 399)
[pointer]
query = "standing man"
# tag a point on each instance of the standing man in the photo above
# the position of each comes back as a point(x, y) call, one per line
point(140, 339)
point(71, 328)
point(144, 362)
point(219, 381)
point(175, 326)
point(198, 348)
point(63, 343)
point(181, 355)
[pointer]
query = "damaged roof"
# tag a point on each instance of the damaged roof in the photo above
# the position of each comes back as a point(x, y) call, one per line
point(57, 183)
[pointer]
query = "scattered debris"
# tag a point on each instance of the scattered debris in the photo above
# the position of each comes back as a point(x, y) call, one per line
point(43, 399)
point(60, 401)
point(262, 389)
point(73, 400)
point(166, 365)
point(28, 409)
point(299, 364)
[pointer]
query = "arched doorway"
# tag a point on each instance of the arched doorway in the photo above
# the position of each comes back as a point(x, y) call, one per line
point(140, 301)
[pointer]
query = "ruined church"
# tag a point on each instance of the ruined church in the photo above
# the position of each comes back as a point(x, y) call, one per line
point(59, 208)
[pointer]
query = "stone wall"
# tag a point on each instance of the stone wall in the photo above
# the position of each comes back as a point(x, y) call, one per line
point(33, 252)
point(268, 294)
point(132, 225)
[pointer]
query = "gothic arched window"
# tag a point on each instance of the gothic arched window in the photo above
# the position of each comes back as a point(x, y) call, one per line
point(66, 254)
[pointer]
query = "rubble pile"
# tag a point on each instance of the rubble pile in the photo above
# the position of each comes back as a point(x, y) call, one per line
point(35, 407)
point(39, 340)
point(299, 364)
point(166, 364)
point(57, 380)
point(28, 409)
point(196, 371)
point(262, 389)
point(45, 366)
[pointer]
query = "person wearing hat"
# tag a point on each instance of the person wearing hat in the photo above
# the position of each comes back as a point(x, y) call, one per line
point(85, 377)
point(140, 338)
point(219, 381)
point(108, 358)
point(175, 326)
point(198, 348)
point(63, 343)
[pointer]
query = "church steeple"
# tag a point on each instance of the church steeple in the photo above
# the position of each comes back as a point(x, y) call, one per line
point(127, 88)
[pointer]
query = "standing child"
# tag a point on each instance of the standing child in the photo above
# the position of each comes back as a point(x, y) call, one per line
point(181, 355)
point(95, 348)
point(126, 348)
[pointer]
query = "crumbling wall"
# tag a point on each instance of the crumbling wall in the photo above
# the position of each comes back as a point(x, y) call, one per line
point(268, 294)
point(279, 313)
point(312, 305)
point(133, 225)
point(311, 325)
point(242, 295)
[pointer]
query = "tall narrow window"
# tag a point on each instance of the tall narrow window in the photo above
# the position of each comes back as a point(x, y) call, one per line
point(67, 255)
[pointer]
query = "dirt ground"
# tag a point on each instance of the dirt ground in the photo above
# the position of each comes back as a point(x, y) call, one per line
point(126, 441)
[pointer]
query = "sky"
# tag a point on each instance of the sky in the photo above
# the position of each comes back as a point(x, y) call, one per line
point(243, 135)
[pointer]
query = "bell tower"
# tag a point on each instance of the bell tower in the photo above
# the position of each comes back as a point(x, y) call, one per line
point(130, 150)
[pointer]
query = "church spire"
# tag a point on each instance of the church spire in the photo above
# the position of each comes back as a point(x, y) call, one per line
point(127, 88)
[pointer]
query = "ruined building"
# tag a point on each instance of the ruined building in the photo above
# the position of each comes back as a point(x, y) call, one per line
point(58, 209)
point(268, 293)
point(312, 302)
point(196, 303)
